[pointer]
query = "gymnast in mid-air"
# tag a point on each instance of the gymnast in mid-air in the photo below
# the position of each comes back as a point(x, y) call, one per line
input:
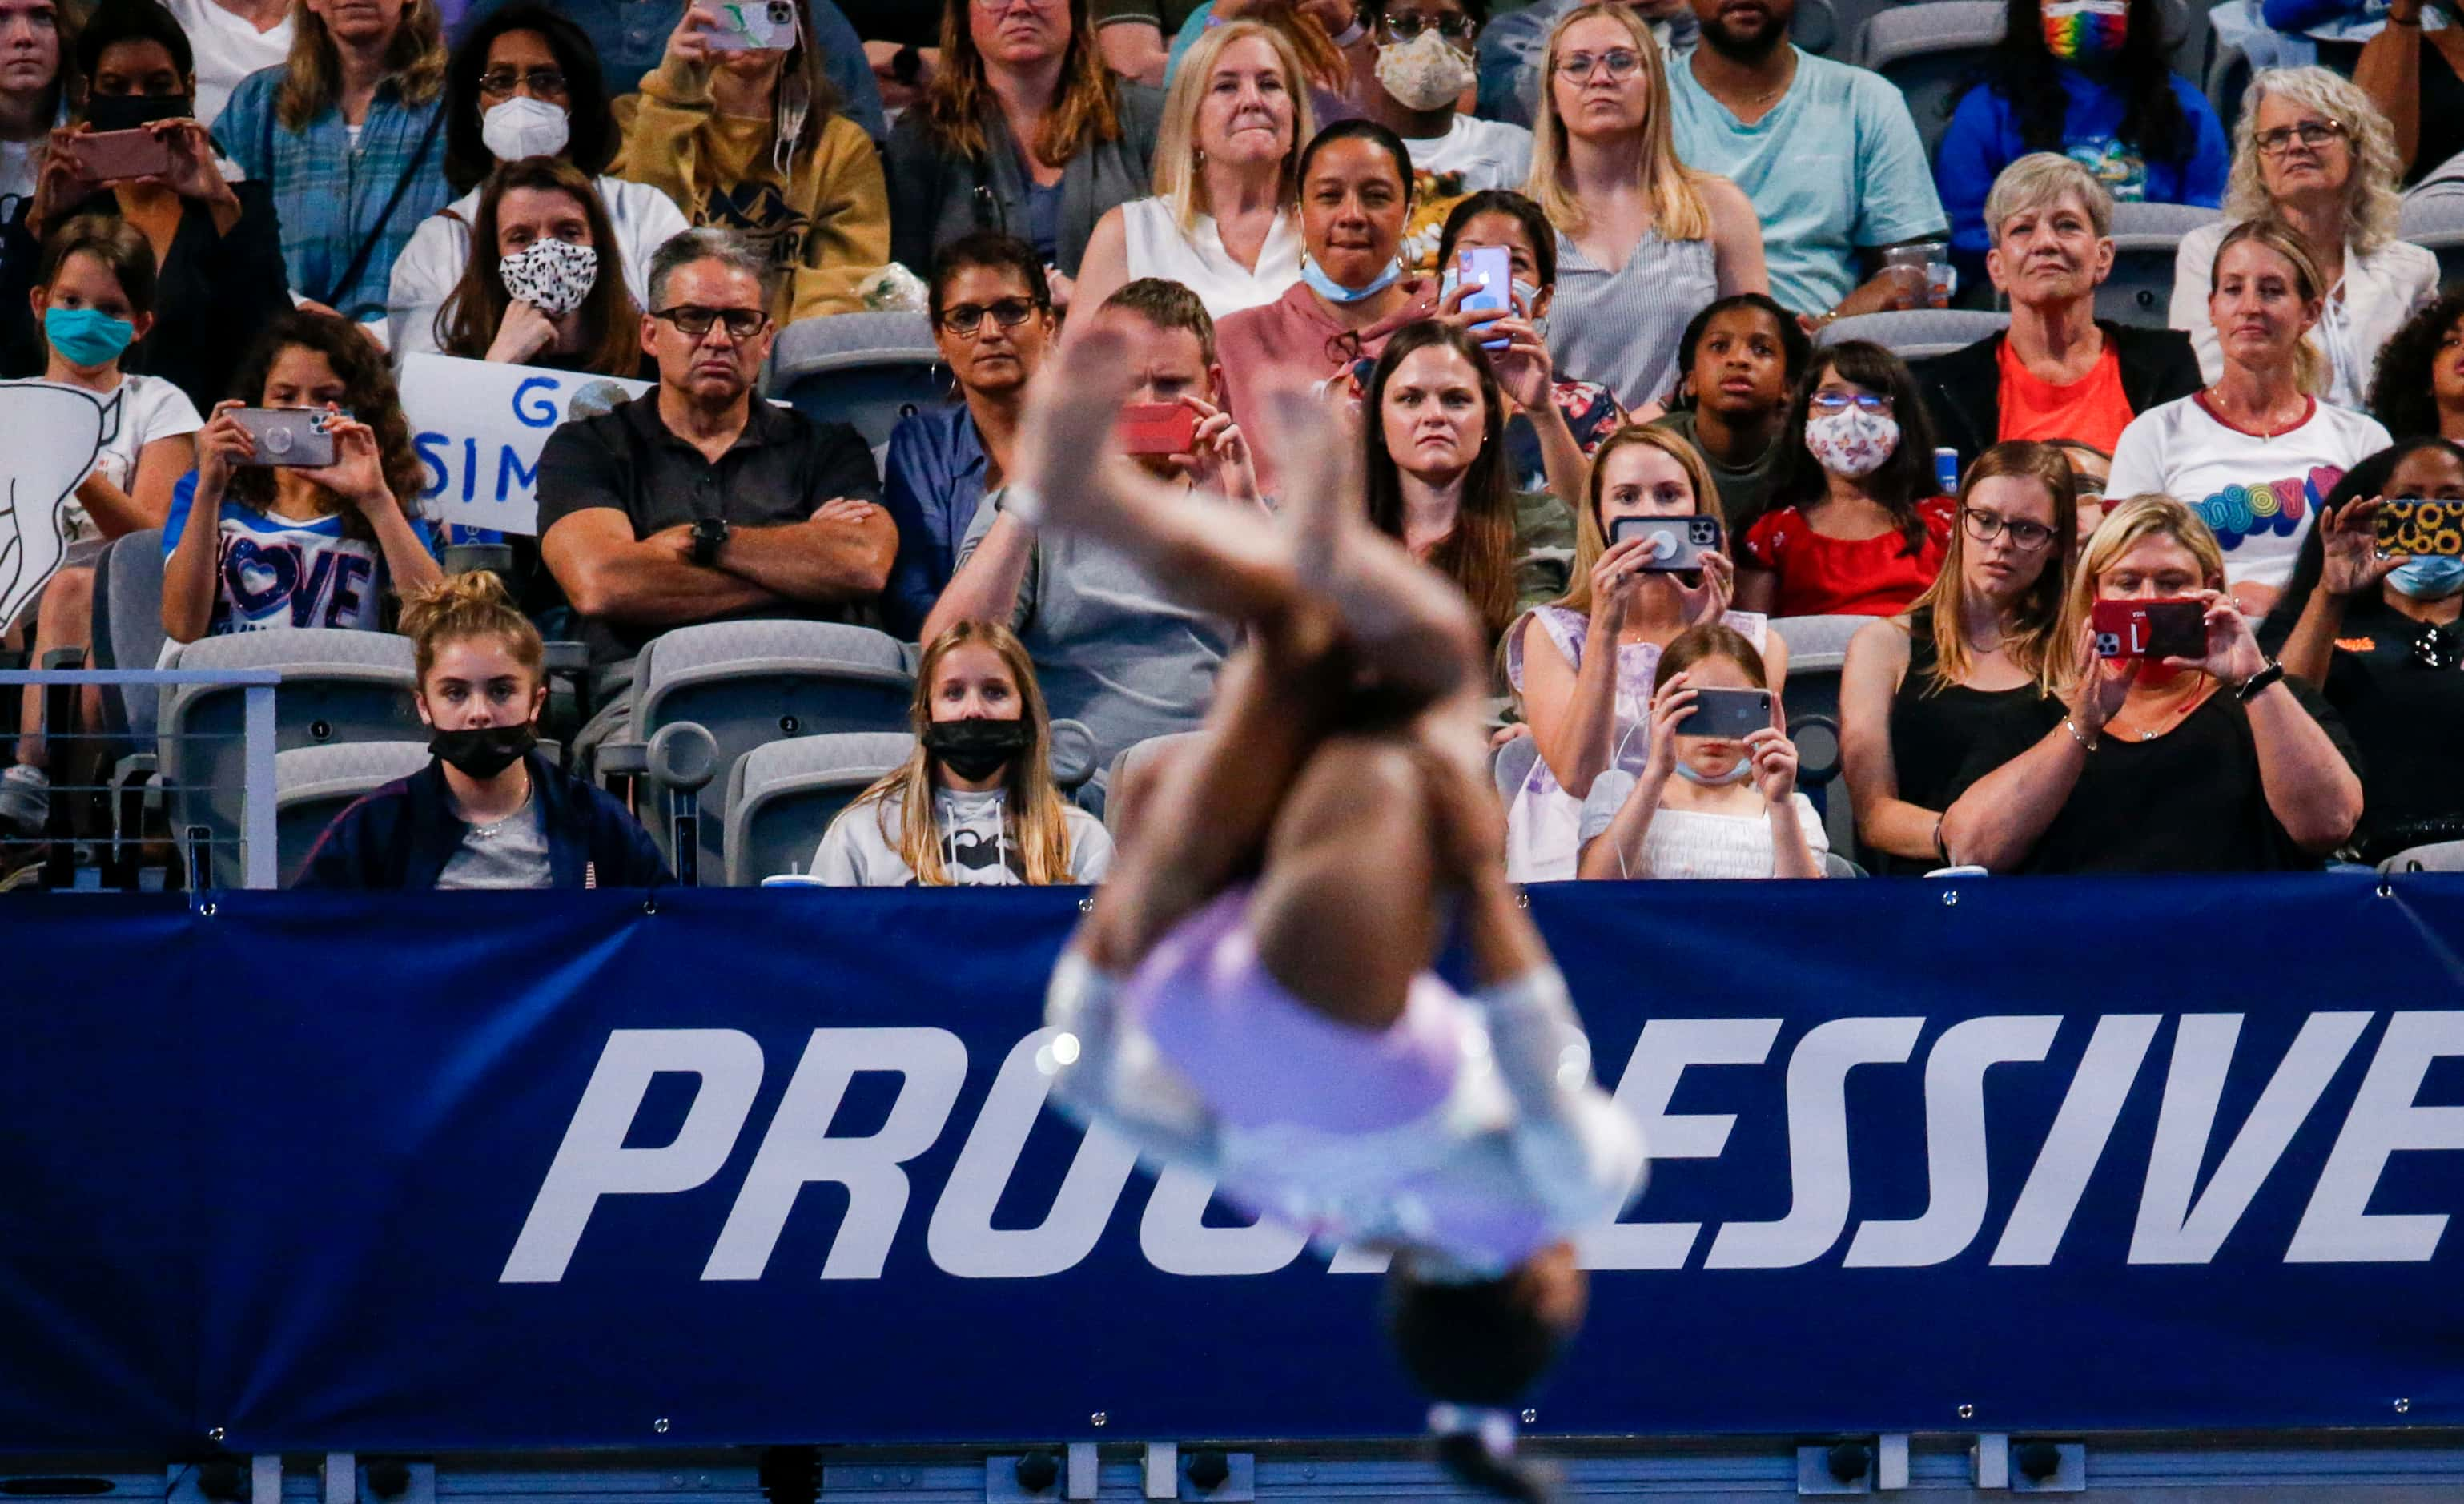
point(1251, 995)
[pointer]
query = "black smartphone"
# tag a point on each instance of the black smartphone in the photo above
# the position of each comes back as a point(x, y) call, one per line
point(1733, 714)
point(1681, 541)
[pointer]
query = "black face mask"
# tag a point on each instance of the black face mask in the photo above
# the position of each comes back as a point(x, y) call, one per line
point(484, 751)
point(136, 111)
point(977, 747)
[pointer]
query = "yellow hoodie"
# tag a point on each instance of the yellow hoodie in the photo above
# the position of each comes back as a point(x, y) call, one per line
point(826, 223)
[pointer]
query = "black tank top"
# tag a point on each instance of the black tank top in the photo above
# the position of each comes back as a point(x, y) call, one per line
point(1933, 731)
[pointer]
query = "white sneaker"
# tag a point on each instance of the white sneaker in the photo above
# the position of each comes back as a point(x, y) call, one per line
point(25, 798)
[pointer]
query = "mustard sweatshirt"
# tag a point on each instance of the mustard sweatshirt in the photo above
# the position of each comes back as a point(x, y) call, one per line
point(826, 225)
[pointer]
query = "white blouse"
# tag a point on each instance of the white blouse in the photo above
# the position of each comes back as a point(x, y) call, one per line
point(2380, 291)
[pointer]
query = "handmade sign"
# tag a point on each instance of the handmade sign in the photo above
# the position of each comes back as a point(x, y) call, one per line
point(54, 432)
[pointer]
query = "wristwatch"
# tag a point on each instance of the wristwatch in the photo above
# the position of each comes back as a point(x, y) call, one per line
point(708, 536)
point(2251, 686)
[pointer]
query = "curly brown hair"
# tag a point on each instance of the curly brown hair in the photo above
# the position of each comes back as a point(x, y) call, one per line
point(2400, 391)
point(368, 394)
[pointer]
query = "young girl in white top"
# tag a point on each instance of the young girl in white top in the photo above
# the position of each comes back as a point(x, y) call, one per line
point(1730, 809)
point(974, 805)
point(1227, 164)
point(94, 298)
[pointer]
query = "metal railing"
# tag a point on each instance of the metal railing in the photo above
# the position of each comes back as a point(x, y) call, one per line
point(260, 850)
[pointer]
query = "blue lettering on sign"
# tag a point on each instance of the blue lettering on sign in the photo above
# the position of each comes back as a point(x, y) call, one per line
point(511, 471)
point(470, 466)
point(428, 447)
point(542, 414)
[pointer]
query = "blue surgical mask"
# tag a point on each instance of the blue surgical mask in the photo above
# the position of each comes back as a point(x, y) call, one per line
point(1335, 292)
point(87, 338)
point(2431, 577)
point(1738, 774)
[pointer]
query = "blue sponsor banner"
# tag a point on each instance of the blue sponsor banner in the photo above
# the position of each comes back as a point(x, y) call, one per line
point(447, 1171)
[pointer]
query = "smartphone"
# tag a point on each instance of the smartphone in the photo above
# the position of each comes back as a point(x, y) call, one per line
point(1488, 271)
point(297, 437)
point(2420, 529)
point(114, 156)
point(1682, 541)
point(2153, 630)
point(1733, 714)
point(1156, 428)
point(753, 26)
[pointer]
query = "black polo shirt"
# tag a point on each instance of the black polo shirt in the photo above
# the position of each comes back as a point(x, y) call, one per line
point(781, 468)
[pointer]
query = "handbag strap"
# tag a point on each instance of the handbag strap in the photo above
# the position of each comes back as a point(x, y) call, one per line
point(376, 233)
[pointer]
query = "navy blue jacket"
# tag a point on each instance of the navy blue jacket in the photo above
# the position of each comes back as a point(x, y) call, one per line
point(402, 834)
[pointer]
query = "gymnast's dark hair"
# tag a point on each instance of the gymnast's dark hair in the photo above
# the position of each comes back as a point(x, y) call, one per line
point(1480, 1343)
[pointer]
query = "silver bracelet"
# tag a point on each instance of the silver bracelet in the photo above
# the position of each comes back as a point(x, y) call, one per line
point(2086, 745)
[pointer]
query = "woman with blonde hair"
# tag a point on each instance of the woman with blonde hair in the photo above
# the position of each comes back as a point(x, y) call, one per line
point(1226, 177)
point(1921, 690)
point(489, 809)
point(974, 805)
point(1023, 131)
point(1644, 241)
point(2257, 452)
point(2312, 151)
point(1591, 711)
point(2211, 761)
point(349, 136)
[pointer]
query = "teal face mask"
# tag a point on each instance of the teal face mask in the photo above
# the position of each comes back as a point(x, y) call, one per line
point(86, 336)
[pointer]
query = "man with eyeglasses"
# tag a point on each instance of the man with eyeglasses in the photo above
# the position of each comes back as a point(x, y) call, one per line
point(1828, 153)
point(1111, 650)
point(697, 501)
point(1511, 49)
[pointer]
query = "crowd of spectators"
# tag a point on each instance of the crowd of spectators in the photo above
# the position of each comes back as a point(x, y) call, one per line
point(1570, 268)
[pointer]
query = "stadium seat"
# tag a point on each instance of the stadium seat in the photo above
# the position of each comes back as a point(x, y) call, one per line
point(866, 368)
point(2444, 857)
point(2227, 75)
point(1126, 764)
point(753, 683)
point(1933, 53)
point(2436, 223)
point(1825, 27)
point(782, 797)
point(128, 632)
point(1834, 865)
point(1817, 648)
point(1512, 765)
point(313, 785)
point(1913, 333)
point(2146, 238)
point(338, 686)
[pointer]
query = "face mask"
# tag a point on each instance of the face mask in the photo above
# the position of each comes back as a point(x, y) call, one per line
point(87, 338)
point(1736, 775)
point(977, 747)
point(484, 751)
point(1852, 443)
point(1335, 292)
point(2432, 577)
point(525, 127)
point(1425, 73)
point(107, 112)
point(552, 276)
point(2083, 30)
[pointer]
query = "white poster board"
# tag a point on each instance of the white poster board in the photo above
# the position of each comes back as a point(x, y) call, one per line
point(48, 438)
point(479, 426)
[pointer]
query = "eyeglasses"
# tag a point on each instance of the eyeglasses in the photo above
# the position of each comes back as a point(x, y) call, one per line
point(1830, 403)
point(965, 319)
point(1623, 63)
point(695, 322)
point(2313, 134)
point(504, 81)
point(1411, 24)
point(1986, 526)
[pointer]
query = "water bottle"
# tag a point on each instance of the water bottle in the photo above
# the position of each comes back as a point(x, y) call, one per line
point(1946, 471)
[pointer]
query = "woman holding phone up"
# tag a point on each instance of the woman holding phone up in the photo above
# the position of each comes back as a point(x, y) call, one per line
point(1705, 806)
point(2208, 763)
point(290, 545)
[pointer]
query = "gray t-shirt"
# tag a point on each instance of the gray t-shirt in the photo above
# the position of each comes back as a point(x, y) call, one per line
point(1110, 649)
point(511, 853)
point(860, 847)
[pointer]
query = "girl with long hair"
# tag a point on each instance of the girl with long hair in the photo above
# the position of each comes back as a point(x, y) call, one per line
point(974, 804)
point(256, 546)
point(752, 140)
point(1920, 691)
point(543, 286)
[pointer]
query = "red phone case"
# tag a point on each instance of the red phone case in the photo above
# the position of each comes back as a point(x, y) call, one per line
point(1156, 428)
point(116, 155)
point(2156, 629)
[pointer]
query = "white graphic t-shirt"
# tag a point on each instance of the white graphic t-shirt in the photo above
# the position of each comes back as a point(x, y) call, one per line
point(272, 571)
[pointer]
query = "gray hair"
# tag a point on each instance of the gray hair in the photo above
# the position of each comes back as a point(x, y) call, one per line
point(2038, 181)
point(709, 243)
point(2372, 201)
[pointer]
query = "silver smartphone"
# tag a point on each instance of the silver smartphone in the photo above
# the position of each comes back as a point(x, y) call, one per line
point(1732, 714)
point(1681, 544)
point(753, 26)
point(299, 437)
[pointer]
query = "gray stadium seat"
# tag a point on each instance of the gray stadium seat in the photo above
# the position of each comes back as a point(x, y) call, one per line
point(2228, 76)
point(338, 686)
point(2436, 222)
point(866, 368)
point(1512, 765)
point(1834, 865)
point(749, 683)
point(2144, 239)
point(128, 632)
point(313, 785)
point(1820, 26)
point(1914, 333)
point(2444, 857)
point(1817, 648)
point(1933, 53)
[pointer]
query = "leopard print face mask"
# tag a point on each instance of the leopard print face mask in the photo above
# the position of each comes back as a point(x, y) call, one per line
point(552, 276)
